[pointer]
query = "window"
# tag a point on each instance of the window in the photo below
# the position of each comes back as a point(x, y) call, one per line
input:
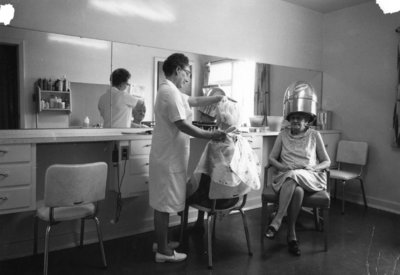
point(237, 79)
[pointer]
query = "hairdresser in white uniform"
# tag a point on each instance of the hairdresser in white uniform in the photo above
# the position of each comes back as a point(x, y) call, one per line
point(116, 105)
point(169, 153)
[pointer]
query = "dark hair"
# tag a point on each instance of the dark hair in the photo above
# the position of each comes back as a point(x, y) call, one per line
point(307, 116)
point(119, 76)
point(174, 61)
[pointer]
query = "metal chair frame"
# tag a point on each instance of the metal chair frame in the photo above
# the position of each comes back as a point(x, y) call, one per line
point(320, 211)
point(53, 221)
point(212, 214)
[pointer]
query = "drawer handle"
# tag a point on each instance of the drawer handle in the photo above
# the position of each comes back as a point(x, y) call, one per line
point(4, 175)
point(3, 151)
point(3, 198)
point(147, 145)
point(147, 163)
point(250, 140)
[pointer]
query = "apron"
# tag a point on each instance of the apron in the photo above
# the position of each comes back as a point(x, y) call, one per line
point(169, 154)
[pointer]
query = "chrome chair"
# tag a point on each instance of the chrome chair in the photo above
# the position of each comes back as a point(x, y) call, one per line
point(215, 211)
point(351, 157)
point(318, 201)
point(72, 191)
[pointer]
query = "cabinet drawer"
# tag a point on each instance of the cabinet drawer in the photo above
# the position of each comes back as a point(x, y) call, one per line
point(139, 165)
point(18, 197)
point(15, 174)
point(15, 153)
point(134, 186)
point(140, 147)
point(254, 141)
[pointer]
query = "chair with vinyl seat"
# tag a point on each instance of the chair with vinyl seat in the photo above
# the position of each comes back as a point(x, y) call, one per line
point(318, 201)
point(351, 157)
point(72, 191)
point(233, 200)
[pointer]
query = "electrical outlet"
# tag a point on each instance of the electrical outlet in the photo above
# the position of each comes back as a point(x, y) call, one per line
point(124, 152)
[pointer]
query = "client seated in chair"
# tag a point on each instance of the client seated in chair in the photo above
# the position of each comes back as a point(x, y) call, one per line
point(231, 162)
point(300, 157)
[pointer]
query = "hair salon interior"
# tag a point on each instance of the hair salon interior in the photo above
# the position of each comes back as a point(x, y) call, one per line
point(348, 50)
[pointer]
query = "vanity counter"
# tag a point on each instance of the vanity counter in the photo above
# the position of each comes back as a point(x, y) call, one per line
point(35, 136)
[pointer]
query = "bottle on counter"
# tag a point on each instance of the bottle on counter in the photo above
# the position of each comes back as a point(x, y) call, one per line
point(86, 122)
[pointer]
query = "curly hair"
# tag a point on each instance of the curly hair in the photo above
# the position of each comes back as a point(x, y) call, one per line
point(174, 61)
point(228, 112)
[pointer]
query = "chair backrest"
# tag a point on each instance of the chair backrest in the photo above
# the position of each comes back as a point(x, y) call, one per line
point(75, 184)
point(352, 152)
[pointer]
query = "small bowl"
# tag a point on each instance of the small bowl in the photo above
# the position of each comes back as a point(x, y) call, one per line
point(256, 121)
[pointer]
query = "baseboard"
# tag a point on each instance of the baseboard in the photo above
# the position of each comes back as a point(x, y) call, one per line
point(385, 205)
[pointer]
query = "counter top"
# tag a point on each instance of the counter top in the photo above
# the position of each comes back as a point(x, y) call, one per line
point(70, 135)
point(25, 136)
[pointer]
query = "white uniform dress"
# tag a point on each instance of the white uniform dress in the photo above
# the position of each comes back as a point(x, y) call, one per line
point(118, 112)
point(169, 153)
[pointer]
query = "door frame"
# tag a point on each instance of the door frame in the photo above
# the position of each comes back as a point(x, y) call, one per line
point(22, 100)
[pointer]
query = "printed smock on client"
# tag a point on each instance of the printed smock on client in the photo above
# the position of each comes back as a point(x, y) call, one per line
point(228, 163)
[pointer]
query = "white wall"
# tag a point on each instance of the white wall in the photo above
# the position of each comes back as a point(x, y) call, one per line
point(360, 80)
point(270, 31)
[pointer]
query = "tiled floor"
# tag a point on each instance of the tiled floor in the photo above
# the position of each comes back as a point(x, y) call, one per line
point(360, 242)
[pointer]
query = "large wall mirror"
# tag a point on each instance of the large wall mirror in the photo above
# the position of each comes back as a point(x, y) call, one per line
point(88, 63)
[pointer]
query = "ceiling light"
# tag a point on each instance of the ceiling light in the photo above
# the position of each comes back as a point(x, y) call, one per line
point(389, 6)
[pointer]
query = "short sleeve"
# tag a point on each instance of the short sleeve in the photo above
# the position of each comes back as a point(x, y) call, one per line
point(176, 107)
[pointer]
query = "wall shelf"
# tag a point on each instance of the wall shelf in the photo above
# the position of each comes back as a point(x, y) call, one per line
point(53, 101)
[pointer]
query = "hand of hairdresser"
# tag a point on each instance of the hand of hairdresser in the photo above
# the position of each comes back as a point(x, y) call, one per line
point(218, 135)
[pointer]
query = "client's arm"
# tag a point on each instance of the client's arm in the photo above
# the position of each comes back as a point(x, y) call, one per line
point(322, 155)
point(275, 156)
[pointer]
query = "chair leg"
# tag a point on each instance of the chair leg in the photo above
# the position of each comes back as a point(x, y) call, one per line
point(100, 237)
point(264, 212)
point(316, 218)
point(343, 184)
point(82, 232)
point(363, 193)
point(246, 231)
point(46, 250)
point(325, 214)
point(334, 194)
point(35, 235)
point(184, 222)
point(210, 223)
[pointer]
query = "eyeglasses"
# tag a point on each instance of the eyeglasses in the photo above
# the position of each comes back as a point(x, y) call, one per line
point(188, 73)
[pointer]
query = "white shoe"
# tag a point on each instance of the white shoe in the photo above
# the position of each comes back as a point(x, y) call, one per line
point(176, 257)
point(171, 245)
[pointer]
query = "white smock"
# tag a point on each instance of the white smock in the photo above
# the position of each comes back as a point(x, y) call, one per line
point(115, 107)
point(169, 154)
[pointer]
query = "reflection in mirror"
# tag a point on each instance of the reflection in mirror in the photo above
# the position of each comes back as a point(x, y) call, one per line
point(88, 63)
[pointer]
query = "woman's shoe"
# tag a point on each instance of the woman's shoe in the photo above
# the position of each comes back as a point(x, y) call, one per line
point(294, 247)
point(175, 257)
point(271, 232)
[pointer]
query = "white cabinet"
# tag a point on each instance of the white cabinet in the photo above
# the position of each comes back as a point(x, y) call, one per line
point(133, 172)
point(17, 178)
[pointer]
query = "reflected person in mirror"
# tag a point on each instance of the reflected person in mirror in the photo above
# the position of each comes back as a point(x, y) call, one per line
point(300, 157)
point(116, 105)
point(169, 153)
point(138, 114)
